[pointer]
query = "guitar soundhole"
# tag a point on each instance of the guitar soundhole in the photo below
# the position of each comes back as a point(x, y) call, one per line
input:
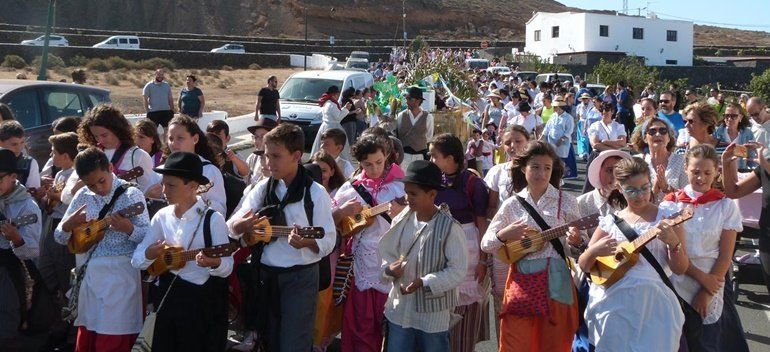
point(526, 242)
point(167, 258)
point(619, 257)
point(358, 217)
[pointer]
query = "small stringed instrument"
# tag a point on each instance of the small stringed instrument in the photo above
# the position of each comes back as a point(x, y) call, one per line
point(132, 174)
point(51, 202)
point(352, 225)
point(21, 220)
point(534, 241)
point(609, 269)
point(175, 258)
point(264, 232)
point(86, 235)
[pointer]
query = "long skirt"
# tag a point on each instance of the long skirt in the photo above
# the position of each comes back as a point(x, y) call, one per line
point(570, 164)
point(583, 145)
point(362, 320)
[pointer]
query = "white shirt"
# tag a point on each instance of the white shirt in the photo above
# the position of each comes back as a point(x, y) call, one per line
point(29, 233)
point(178, 232)
point(529, 123)
point(346, 167)
point(257, 169)
point(762, 134)
point(604, 132)
point(33, 180)
point(61, 178)
point(215, 197)
point(47, 168)
point(134, 157)
point(279, 253)
point(498, 179)
point(332, 114)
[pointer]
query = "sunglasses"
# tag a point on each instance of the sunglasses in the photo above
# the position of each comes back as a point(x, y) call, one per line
point(731, 116)
point(632, 192)
point(662, 131)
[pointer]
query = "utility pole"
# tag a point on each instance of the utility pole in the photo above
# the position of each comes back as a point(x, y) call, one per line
point(41, 76)
point(306, 52)
point(403, 19)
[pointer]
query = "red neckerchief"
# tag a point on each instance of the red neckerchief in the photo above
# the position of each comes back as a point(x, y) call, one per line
point(682, 197)
point(327, 97)
point(392, 173)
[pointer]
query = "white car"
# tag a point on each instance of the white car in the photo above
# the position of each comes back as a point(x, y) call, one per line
point(357, 64)
point(53, 40)
point(119, 42)
point(230, 49)
point(503, 70)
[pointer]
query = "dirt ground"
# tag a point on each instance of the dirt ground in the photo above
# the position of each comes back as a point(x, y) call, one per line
point(233, 91)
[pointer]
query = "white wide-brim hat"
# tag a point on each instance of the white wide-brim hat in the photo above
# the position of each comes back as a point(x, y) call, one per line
point(595, 169)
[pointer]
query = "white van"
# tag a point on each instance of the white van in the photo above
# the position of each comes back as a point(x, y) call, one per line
point(119, 42)
point(301, 91)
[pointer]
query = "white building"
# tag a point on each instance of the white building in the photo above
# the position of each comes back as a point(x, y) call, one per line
point(660, 42)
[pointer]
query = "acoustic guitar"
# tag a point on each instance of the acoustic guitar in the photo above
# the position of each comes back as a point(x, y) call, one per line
point(609, 269)
point(21, 220)
point(175, 258)
point(51, 202)
point(86, 235)
point(351, 225)
point(534, 240)
point(264, 232)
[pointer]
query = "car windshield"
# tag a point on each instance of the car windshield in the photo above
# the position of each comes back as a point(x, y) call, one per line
point(358, 64)
point(306, 89)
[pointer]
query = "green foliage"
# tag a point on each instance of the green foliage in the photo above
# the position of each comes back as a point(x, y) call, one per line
point(99, 65)
point(760, 85)
point(14, 61)
point(630, 70)
point(456, 77)
point(78, 61)
point(418, 44)
point(535, 63)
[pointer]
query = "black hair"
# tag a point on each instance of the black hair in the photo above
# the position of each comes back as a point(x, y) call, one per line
point(10, 129)
point(6, 113)
point(202, 148)
point(90, 160)
point(66, 124)
point(218, 125)
point(449, 145)
point(369, 144)
point(337, 135)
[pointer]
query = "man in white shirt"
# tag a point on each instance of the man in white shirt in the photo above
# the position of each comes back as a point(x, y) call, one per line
point(757, 109)
point(414, 128)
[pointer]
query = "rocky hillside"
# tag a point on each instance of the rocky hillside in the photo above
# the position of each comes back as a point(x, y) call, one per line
point(440, 19)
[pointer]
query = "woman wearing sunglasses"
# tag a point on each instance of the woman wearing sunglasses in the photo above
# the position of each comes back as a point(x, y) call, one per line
point(655, 139)
point(736, 128)
point(699, 123)
point(639, 305)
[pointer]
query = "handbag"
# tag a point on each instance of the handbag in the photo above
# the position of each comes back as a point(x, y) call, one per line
point(693, 322)
point(527, 295)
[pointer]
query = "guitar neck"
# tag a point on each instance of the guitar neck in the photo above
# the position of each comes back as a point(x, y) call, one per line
point(555, 232)
point(212, 252)
point(645, 238)
point(377, 210)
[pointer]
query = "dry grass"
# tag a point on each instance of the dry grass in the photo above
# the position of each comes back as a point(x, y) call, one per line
point(232, 91)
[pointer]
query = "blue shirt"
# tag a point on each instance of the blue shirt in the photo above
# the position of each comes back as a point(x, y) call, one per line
point(559, 126)
point(621, 98)
point(674, 119)
point(191, 103)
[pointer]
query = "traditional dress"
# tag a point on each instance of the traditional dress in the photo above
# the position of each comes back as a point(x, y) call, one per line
point(332, 115)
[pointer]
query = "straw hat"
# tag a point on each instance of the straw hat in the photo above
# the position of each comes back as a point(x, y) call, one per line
point(494, 94)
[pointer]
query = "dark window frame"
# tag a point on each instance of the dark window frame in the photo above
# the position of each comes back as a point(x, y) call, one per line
point(554, 31)
point(604, 30)
point(672, 36)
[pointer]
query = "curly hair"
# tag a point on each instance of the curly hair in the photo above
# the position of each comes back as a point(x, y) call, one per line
point(639, 142)
point(706, 113)
point(520, 161)
point(337, 178)
point(109, 117)
point(369, 144)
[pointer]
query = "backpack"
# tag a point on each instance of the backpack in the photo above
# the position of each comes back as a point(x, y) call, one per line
point(23, 164)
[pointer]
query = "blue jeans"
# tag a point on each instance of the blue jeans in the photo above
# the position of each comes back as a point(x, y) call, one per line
point(404, 340)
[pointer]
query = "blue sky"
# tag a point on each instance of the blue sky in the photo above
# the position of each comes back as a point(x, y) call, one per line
point(742, 14)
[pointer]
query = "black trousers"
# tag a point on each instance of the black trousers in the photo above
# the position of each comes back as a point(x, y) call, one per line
point(289, 301)
point(193, 317)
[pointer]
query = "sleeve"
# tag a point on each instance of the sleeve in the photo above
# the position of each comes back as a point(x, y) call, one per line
point(261, 93)
point(322, 216)
point(732, 216)
point(142, 221)
point(154, 233)
point(219, 235)
point(592, 130)
point(33, 180)
point(492, 177)
point(348, 171)
point(606, 223)
point(78, 201)
point(252, 202)
point(47, 168)
point(145, 90)
point(480, 198)
point(215, 197)
point(620, 130)
point(149, 178)
point(429, 125)
point(457, 261)
point(504, 217)
point(30, 233)
point(66, 193)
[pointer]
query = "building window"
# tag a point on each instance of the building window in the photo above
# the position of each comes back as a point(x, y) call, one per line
point(671, 62)
point(604, 31)
point(537, 35)
point(555, 32)
point(638, 33)
point(671, 36)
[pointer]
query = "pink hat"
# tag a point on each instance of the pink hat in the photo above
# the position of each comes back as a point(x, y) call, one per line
point(595, 169)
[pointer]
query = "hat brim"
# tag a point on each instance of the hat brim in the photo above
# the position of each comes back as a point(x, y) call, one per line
point(493, 96)
point(185, 174)
point(595, 169)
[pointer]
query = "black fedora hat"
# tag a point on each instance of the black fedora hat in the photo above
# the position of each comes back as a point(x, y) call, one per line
point(7, 161)
point(267, 124)
point(185, 165)
point(414, 92)
point(423, 172)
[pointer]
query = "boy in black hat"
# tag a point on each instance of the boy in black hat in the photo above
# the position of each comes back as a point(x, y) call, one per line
point(425, 257)
point(193, 315)
point(18, 247)
point(414, 128)
point(288, 267)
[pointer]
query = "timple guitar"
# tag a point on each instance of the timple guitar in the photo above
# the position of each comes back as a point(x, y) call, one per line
point(174, 258)
point(21, 220)
point(51, 202)
point(86, 235)
point(264, 232)
point(352, 225)
point(609, 269)
point(534, 241)
point(132, 174)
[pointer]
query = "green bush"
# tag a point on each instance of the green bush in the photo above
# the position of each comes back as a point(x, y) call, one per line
point(53, 61)
point(630, 70)
point(78, 61)
point(99, 65)
point(760, 85)
point(157, 62)
point(14, 61)
point(115, 63)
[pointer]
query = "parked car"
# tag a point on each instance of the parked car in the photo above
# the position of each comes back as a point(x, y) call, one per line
point(525, 75)
point(357, 64)
point(119, 42)
point(230, 49)
point(359, 55)
point(53, 40)
point(550, 77)
point(503, 70)
point(35, 104)
point(301, 91)
point(477, 64)
point(596, 88)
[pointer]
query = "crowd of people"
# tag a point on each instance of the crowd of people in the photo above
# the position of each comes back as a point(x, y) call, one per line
point(390, 236)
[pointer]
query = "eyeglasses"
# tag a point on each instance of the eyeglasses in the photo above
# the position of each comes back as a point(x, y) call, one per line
point(662, 131)
point(632, 192)
point(731, 116)
point(664, 101)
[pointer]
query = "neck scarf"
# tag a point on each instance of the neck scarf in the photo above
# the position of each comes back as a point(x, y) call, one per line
point(294, 193)
point(327, 97)
point(390, 174)
point(682, 197)
point(18, 194)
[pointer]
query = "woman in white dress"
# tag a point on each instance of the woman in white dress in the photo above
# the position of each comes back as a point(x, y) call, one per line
point(638, 312)
point(332, 114)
